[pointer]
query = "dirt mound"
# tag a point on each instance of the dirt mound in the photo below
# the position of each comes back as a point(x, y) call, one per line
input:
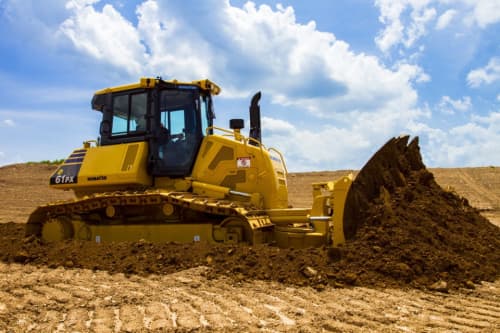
point(411, 230)
point(408, 232)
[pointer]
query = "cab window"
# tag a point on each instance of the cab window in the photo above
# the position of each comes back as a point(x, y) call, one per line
point(174, 121)
point(129, 114)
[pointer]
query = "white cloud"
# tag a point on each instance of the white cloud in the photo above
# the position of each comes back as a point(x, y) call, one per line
point(80, 4)
point(8, 123)
point(262, 48)
point(396, 29)
point(449, 105)
point(301, 66)
point(486, 75)
point(471, 144)
point(329, 146)
point(276, 126)
point(105, 35)
point(406, 21)
point(420, 19)
point(336, 145)
point(390, 12)
point(174, 47)
point(246, 48)
point(483, 12)
point(252, 48)
point(445, 19)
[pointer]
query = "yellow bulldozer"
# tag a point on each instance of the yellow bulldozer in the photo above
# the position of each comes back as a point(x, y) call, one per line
point(161, 171)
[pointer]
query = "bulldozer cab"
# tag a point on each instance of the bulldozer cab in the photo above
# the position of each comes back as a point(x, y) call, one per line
point(172, 117)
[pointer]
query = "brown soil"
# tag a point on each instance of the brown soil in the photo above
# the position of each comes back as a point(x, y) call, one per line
point(220, 295)
point(411, 230)
point(411, 233)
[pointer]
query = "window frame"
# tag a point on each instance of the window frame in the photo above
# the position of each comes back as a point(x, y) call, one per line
point(107, 137)
point(129, 114)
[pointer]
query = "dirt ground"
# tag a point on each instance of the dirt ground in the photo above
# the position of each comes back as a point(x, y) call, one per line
point(54, 289)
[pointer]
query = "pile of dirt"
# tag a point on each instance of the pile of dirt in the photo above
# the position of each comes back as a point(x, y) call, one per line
point(410, 230)
point(407, 231)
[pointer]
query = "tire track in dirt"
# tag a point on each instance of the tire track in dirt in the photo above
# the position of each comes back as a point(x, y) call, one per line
point(68, 300)
point(63, 300)
point(491, 198)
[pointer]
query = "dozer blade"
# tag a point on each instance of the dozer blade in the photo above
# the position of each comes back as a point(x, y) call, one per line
point(387, 168)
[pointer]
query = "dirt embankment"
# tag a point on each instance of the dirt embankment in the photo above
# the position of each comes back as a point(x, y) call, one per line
point(411, 233)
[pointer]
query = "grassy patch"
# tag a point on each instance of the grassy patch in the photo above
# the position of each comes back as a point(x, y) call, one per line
point(53, 162)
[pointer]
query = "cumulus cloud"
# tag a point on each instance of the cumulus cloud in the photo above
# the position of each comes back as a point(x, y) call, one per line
point(445, 19)
point(485, 75)
point(460, 144)
point(277, 126)
point(400, 29)
point(245, 48)
point(330, 146)
point(405, 22)
point(450, 106)
point(105, 35)
point(483, 12)
point(259, 47)
point(362, 100)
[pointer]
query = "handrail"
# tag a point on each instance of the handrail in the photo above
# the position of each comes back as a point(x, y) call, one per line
point(230, 133)
point(218, 128)
point(281, 158)
point(246, 141)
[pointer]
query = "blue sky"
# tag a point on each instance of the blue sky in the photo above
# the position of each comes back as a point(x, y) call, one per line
point(338, 78)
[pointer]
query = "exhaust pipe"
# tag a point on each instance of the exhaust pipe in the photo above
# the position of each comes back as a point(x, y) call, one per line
point(255, 128)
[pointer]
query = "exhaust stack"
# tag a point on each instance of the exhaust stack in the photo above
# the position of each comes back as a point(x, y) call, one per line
point(255, 128)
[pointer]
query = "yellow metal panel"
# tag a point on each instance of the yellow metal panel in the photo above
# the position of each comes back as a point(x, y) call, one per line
point(248, 169)
point(115, 164)
point(147, 83)
point(105, 166)
point(340, 190)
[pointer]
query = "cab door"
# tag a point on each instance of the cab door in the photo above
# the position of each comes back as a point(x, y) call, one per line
point(178, 132)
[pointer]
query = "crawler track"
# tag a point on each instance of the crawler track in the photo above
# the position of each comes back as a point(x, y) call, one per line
point(86, 215)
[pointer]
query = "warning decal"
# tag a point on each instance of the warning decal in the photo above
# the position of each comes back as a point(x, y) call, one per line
point(243, 162)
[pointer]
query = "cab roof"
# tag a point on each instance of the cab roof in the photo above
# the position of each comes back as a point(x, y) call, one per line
point(147, 82)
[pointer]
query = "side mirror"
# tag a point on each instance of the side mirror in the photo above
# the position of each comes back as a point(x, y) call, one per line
point(105, 128)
